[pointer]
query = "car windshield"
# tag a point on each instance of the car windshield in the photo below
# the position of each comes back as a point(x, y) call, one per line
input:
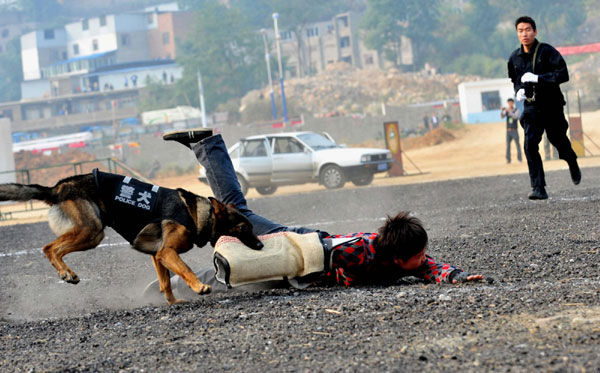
point(316, 141)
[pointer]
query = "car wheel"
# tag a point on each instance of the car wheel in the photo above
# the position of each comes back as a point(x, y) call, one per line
point(243, 184)
point(332, 177)
point(364, 179)
point(266, 190)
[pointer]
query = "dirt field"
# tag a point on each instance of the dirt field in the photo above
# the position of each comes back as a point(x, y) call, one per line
point(542, 313)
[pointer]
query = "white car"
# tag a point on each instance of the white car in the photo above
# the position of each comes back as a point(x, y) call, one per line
point(268, 161)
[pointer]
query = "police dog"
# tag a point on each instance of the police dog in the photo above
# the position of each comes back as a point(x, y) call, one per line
point(157, 221)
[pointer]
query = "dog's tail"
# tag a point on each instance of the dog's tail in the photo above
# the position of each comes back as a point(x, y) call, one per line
point(20, 192)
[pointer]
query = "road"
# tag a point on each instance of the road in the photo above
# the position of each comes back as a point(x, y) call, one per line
point(541, 313)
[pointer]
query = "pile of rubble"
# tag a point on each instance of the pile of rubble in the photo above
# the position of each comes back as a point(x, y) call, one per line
point(343, 89)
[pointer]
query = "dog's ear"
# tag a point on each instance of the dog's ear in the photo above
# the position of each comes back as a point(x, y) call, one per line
point(218, 207)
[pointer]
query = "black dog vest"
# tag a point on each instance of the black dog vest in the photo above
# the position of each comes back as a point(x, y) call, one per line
point(132, 204)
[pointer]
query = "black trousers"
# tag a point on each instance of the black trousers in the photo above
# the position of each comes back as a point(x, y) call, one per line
point(535, 122)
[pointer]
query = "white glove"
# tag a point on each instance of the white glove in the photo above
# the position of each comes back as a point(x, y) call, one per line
point(520, 96)
point(529, 78)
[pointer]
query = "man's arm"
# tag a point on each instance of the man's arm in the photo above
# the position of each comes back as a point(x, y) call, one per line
point(515, 114)
point(514, 76)
point(556, 67)
point(433, 271)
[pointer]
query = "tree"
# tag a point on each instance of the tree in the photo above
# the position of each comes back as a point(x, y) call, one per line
point(11, 73)
point(387, 21)
point(225, 49)
point(42, 11)
point(558, 20)
point(296, 15)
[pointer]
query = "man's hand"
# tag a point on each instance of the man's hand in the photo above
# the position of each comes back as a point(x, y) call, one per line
point(529, 78)
point(520, 96)
point(464, 277)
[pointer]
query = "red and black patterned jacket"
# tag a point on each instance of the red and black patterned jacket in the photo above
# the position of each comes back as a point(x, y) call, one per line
point(356, 263)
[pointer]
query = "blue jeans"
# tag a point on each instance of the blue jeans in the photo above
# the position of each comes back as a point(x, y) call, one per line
point(213, 156)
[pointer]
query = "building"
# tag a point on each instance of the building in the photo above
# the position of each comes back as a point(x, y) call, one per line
point(90, 72)
point(481, 101)
point(335, 40)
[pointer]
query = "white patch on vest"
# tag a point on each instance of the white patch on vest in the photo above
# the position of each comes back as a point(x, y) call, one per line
point(127, 179)
point(155, 188)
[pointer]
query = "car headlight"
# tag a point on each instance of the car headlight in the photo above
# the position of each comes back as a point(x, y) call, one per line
point(365, 158)
point(388, 156)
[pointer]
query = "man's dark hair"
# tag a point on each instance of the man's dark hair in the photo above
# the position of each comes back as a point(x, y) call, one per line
point(526, 19)
point(510, 100)
point(402, 237)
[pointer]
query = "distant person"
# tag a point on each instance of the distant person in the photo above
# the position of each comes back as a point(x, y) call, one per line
point(511, 113)
point(537, 70)
point(435, 122)
point(426, 123)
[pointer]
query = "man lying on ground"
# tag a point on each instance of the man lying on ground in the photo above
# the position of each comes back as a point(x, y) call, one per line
point(397, 250)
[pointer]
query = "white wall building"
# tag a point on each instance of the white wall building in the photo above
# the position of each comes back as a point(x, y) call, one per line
point(7, 159)
point(480, 101)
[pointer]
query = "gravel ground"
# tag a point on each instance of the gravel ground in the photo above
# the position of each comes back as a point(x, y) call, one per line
point(541, 314)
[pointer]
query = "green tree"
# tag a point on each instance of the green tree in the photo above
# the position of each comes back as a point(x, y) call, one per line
point(387, 21)
point(227, 52)
point(557, 21)
point(42, 11)
point(11, 73)
point(295, 16)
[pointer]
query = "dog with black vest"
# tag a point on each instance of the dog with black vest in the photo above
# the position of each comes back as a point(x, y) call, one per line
point(161, 222)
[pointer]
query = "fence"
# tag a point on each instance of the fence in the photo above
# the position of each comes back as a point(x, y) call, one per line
point(23, 176)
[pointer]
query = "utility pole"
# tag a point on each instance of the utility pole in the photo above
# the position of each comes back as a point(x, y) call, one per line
point(277, 40)
point(268, 59)
point(201, 95)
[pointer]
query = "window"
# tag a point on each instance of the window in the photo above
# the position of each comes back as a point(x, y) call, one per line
point(286, 35)
point(313, 31)
point(330, 29)
point(85, 24)
point(343, 21)
point(95, 44)
point(345, 42)
point(166, 38)
point(490, 100)
point(368, 59)
point(124, 39)
point(48, 34)
point(150, 18)
point(75, 49)
point(5, 33)
point(102, 21)
point(254, 148)
point(286, 145)
point(64, 55)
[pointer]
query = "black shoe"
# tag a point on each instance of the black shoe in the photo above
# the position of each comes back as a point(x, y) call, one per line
point(538, 193)
point(187, 137)
point(575, 172)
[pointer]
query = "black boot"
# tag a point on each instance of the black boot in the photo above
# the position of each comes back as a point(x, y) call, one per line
point(538, 193)
point(190, 136)
point(575, 172)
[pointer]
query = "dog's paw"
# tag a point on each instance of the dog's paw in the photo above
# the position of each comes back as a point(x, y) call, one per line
point(204, 289)
point(71, 278)
point(175, 301)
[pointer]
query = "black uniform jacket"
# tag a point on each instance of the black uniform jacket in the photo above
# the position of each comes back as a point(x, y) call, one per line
point(132, 204)
point(551, 69)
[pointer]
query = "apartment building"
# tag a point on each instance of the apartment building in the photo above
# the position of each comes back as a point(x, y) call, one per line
point(90, 72)
point(335, 40)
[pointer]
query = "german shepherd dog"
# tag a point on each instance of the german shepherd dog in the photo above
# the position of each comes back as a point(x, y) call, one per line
point(157, 221)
